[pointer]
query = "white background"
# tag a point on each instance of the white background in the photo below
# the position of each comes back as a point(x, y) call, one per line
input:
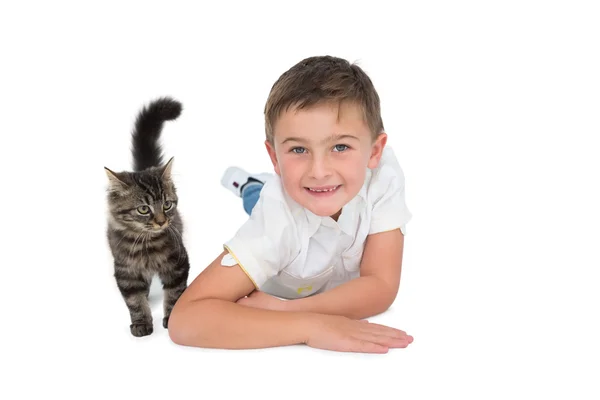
point(491, 107)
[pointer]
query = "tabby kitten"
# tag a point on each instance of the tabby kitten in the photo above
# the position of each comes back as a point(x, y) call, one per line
point(144, 227)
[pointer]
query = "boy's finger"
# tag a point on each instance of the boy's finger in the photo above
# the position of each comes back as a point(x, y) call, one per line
point(385, 330)
point(382, 340)
point(364, 346)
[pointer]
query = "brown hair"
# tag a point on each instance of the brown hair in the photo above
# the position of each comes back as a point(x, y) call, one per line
point(319, 79)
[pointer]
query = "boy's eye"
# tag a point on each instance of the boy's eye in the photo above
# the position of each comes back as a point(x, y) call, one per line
point(340, 147)
point(298, 150)
point(143, 210)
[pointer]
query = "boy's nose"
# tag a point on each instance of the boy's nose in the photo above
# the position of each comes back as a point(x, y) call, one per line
point(320, 169)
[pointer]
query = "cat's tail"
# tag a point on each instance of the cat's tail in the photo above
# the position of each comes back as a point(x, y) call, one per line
point(146, 133)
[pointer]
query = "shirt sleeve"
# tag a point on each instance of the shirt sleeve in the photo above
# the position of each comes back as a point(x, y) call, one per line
point(389, 203)
point(265, 244)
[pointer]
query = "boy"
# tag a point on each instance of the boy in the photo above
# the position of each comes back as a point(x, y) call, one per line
point(323, 245)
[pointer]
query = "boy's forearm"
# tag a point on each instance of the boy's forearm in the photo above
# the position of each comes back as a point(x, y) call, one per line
point(214, 323)
point(359, 298)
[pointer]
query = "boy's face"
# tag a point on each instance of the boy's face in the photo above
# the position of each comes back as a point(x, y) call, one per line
point(322, 153)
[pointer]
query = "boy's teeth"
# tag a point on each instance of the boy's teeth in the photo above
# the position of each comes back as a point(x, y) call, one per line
point(322, 190)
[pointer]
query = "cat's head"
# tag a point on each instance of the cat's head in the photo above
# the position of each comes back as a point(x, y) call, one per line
point(142, 201)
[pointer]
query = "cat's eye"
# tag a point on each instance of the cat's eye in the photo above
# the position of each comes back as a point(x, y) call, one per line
point(143, 210)
point(167, 205)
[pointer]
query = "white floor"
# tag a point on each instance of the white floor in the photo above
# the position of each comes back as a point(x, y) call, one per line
point(493, 111)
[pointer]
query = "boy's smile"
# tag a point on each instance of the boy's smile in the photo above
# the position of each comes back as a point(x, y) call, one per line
point(323, 190)
point(322, 153)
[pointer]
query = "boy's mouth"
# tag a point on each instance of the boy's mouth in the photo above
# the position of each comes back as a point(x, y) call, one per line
point(322, 190)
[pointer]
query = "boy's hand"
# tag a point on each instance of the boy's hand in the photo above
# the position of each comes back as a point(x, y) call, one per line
point(258, 299)
point(338, 333)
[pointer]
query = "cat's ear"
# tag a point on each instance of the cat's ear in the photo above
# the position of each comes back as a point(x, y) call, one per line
point(166, 170)
point(114, 179)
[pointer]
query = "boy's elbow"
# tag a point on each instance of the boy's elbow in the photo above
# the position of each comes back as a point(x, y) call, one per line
point(380, 307)
point(189, 322)
point(377, 305)
point(386, 304)
point(386, 295)
point(179, 331)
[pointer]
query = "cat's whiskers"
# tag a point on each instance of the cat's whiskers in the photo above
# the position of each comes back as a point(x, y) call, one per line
point(171, 229)
point(134, 243)
point(145, 244)
point(120, 240)
point(176, 231)
point(124, 235)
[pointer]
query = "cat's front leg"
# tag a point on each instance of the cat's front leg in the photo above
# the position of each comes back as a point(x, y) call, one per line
point(134, 289)
point(174, 279)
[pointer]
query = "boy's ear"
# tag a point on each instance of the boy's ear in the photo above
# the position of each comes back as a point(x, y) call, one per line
point(273, 156)
point(377, 150)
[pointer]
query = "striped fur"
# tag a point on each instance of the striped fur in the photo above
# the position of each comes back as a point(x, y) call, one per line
point(144, 227)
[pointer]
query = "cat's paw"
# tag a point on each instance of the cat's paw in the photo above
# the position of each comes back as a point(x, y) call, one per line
point(166, 322)
point(141, 329)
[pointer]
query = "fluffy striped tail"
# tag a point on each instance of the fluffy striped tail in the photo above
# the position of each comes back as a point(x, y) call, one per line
point(146, 150)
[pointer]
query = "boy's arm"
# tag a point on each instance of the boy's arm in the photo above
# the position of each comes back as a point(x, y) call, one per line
point(206, 315)
point(370, 294)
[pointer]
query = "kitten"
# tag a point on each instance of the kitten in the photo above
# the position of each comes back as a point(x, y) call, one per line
point(144, 227)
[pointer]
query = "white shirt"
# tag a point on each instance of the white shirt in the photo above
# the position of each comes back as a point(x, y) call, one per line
point(289, 252)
